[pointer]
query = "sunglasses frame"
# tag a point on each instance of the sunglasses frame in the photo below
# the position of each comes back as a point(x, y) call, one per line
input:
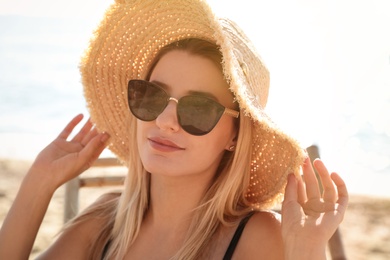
point(227, 111)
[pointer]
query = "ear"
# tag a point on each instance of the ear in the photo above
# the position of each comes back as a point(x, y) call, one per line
point(231, 146)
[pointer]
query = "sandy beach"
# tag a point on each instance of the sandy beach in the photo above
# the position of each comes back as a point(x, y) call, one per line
point(365, 230)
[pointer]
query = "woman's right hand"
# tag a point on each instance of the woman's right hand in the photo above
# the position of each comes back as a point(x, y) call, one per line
point(59, 162)
point(63, 160)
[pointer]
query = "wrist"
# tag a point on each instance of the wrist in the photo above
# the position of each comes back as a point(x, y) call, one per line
point(295, 248)
point(39, 180)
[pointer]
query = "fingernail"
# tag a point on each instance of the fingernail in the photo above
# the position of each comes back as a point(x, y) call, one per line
point(104, 137)
point(307, 160)
point(291, 177)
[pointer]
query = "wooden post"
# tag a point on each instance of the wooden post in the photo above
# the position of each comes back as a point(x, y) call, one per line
point(72, 187)
point(314, 153)
point(336, 247)
point(71, 199)
point(335, 243)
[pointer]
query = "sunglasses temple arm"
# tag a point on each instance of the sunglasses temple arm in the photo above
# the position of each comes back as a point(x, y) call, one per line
point(231, 112)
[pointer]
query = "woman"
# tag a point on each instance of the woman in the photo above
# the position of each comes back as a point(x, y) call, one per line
point(205, 162)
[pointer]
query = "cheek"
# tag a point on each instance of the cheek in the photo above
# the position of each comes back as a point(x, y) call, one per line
point(142, 146)
point(227, 128)
point(139, 131)
point(222, 135)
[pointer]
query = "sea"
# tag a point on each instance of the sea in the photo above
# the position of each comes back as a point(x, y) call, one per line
point(40, 91)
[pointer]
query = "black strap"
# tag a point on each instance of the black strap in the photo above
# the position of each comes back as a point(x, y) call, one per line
point(105, 249)
point(233, 244)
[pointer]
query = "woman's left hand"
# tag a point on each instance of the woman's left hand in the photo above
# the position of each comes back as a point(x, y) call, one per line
point(310, 218)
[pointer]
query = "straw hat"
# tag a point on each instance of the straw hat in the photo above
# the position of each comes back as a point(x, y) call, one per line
point(127, 40)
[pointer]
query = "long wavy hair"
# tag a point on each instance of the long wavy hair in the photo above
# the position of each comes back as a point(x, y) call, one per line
point(223, 203)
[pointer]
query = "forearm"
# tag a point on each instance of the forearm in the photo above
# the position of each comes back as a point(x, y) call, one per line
point(21, 225)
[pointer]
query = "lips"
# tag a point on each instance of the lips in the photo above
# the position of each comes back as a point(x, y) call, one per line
point(164, 145)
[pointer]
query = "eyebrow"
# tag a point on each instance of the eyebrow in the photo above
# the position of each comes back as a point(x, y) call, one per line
point(191, 92)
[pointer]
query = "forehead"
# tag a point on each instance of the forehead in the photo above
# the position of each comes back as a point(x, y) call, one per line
point(182, 73)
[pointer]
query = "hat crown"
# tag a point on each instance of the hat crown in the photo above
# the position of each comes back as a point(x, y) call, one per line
point(250, 77)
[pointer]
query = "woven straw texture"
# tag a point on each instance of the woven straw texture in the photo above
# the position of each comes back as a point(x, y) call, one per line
point(127, 40)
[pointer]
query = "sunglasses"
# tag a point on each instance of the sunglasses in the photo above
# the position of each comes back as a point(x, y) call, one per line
point(197, 115)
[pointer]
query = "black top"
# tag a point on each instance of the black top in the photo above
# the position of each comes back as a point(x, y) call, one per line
point(236, 237)
point(232, 246)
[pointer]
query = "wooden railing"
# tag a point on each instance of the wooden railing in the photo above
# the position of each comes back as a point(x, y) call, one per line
point(72, 188)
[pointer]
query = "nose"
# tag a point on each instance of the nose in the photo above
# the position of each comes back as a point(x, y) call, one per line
point(167, 120)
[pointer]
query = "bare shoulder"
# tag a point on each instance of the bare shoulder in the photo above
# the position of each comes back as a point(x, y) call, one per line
point(74, 242)
point(262, 238)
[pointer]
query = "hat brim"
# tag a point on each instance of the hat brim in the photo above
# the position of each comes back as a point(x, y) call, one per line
point(126, 42)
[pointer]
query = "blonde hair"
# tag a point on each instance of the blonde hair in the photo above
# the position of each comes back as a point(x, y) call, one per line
point(224, 202)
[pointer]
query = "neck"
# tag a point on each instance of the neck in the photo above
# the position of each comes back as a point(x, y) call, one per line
point(173, 199)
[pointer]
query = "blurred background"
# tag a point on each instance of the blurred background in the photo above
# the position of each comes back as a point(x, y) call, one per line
point(329, 64)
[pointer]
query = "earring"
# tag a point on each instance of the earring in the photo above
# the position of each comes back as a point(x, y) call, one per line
point(231, 148)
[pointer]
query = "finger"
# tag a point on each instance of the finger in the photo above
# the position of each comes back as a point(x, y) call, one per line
point(341, 189)
point(290, 193)
point(311, 183)
point(93, 149)
point(329, 190)
point(89, 136)
point(83, 131)
point(302, 197)
point(70, 126)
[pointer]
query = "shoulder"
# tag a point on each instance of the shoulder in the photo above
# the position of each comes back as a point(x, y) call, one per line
point(261, 238)
point(75, 241)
